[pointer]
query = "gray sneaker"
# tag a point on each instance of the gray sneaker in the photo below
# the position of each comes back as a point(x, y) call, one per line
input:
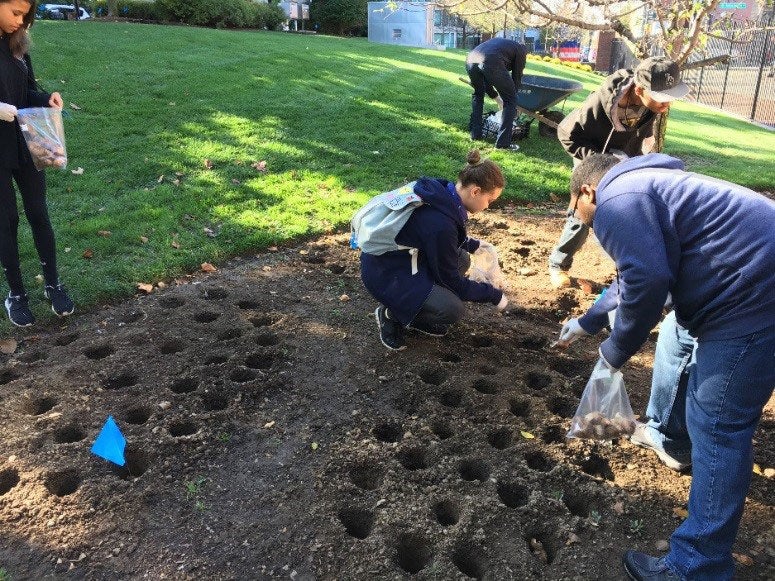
point(641, 437)
point(18, 308)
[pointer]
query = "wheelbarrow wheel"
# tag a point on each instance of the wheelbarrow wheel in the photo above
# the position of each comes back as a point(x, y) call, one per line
point(545, 130)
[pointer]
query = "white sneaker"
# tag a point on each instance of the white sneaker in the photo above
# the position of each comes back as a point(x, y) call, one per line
point(642, 438)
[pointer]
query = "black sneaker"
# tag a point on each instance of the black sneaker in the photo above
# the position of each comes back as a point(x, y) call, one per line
point(61, 303)
point(428, 328)
point(391, 333)
point(19, 312)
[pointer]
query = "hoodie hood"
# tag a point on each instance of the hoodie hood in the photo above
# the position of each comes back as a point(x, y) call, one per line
point(442, 195)
point(650, 161)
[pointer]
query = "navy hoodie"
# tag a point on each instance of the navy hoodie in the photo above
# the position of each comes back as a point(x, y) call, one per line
point(707, 242)
point(438, 230)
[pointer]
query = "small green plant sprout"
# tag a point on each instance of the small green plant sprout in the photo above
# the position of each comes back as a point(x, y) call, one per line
point(557, 495)
point(594, 518)
point(4, 576)
point(194, 487)
point(223, 437)
point(636, 526)
point(200, 506)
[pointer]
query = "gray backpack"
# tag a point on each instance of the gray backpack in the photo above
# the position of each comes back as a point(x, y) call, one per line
point(375, 226)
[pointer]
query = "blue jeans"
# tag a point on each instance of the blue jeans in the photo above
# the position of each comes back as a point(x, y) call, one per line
point(729, 383)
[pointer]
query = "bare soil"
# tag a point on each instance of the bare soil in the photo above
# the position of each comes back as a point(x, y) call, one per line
point(270, 435)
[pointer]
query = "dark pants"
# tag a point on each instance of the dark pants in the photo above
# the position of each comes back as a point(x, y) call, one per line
point(32, 186)
point(481, 75)
point(443, 307)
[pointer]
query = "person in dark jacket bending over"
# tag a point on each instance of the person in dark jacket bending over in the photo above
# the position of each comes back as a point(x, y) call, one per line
point(18, 89)
point(429, 297)
point(710, 245)
point(618, 118)
point(488, 67)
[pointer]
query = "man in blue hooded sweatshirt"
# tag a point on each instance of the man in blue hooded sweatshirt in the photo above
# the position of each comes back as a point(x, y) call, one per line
point(710, 245)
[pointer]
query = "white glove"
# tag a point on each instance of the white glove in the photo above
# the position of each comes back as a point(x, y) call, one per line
point(502, 304)
point(570, 332)
point(603, 359)
point(484, 245)
point(7, 112)
point(499, 101)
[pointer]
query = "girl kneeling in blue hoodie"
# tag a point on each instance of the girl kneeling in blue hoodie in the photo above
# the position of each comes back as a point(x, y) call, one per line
point(425, 291)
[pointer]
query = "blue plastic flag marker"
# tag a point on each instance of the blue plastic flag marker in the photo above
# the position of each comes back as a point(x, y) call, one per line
point(110, 443)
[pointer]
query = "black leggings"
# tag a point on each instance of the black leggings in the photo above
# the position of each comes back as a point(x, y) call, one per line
point(32, 186)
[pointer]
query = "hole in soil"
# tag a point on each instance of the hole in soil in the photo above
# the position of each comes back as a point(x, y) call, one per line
point(433, 376)
point(264, 319)
point(451, 358)
point(39, 405)
point(468, 558)
point(172, 346)
point(120, 381)
point(513, 494)
point(216, 359)
point(8, 479)
point(562, 406)
point(206, 316)
point(171, 302)
point(69, 434)
point(336, 268)
point(500, 439)
point(479, 341)
point(259, 360)
point(184, 385)
point(519, 406)
point(539, 461)
point(132, 317)
point(524, 252)
point(553, 434)
point(474, 469)
point(541, 548)
point(532, 342)
point(577, 505)
point(367, 476)
point(567, 302)
point(182, 428)
point(597, 466)
point(137, 415)
point(267, 339)
point(235, 333)
point(569, 367)
point(137, 462)
point(8, 375)
point(413, 552)
point(214, 293)
point(537, 381)
point(248, 305)
point(33, 356)
point(214, 402)
point(66, 339)
point(487, 370)
point(442, 429)
point(415, 458)
point(63, 483)
point(389, 432)
point(447, 512)
point(485, 386)
point(451, 398)
point(242, 375)
point(357, 521)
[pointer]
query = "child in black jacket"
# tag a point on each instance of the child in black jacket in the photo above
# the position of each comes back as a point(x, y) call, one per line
point(18, 89)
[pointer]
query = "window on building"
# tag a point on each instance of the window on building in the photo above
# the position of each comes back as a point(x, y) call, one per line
point(396, 33)
point(437, 17)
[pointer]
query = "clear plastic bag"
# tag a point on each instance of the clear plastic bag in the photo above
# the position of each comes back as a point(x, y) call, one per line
point(604, 412)
point(484, 266)
point(45, 136)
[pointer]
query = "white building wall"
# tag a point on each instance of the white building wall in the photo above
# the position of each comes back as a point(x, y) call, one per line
point(408, 25)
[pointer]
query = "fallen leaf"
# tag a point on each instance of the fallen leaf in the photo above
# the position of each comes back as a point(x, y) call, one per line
point(269, 424)
point(145, 287)
point(68, 249)
point(618, 507)
point(662, 545)
point(209, 232)
point(235, 181)
point(75, 107)
point(743, 559)
point(160, 179)
point(104, 233)
point(259, 165)
point(144, 239)
point(88, 253)
point(314, 445)
point(78, 171)
point(176, 182)
point(769, 472)
point(208, 164)
point(207, 267)
point(161, 284)
point(680, 512)
point(39, 279)
point(344, 298)
point(8, 346)
point(527, 435)
point(572, 539)
point(758, 470)
point(175, 244)
point(554, 197)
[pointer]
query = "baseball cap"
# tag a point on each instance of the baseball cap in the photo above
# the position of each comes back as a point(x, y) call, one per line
point(661, 77)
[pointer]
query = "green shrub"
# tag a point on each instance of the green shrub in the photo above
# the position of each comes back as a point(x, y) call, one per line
point(141, 9)
point(269, 16)
point(221, 13)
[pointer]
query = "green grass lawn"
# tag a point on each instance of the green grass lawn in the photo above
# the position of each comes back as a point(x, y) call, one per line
point(336, 121)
